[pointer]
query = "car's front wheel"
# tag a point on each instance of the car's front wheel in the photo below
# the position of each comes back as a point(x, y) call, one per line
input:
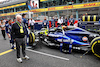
point(95, 46)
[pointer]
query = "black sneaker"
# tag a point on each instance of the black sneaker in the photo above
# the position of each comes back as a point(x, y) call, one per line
point(4, 38)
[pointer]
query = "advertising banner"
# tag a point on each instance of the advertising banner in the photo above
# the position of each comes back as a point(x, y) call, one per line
point(78, 6)
point(33, 4)
point(22, 4)
point(14, 13)
point(43, 0)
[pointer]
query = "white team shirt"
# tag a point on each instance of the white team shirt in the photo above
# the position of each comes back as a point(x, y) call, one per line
point(60, 21)
point(31, 22)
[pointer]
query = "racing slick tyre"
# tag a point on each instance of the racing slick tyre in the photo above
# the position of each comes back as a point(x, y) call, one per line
point(95, 46)
point(31, 38)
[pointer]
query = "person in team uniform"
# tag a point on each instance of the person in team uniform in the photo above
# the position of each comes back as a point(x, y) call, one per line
point(45, 23)
point(71, 20)
point(31, 24)
point(8, 31)
point(25, 22)
point(65, 21)
point(60, 21)
point(53, 22)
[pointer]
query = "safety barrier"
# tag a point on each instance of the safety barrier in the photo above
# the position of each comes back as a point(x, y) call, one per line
point(38, 24)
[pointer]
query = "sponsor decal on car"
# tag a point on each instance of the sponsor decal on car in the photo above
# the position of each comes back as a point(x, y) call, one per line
point(53, 35)
point(60, 40)
point(65, 40)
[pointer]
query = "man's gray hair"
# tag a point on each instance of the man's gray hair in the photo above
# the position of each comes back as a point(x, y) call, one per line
point(18, 16)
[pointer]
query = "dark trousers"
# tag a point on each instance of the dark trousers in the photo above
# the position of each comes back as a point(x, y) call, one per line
point(3, 33)
point(20, 42)
point(11, 40)
point(32, 28)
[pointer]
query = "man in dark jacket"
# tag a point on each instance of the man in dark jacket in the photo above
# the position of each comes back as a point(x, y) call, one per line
point(18, 34)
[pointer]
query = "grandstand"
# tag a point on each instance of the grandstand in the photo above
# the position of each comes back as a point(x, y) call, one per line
point(11, 2)
point(58, 8)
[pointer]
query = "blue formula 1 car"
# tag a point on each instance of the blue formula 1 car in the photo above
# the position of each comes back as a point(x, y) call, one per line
point(70, 37)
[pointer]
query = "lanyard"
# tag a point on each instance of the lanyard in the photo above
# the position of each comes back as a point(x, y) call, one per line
point(19, 25)
point(21, 28)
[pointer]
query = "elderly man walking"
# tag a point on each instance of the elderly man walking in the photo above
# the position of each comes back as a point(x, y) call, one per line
point(18, 34)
